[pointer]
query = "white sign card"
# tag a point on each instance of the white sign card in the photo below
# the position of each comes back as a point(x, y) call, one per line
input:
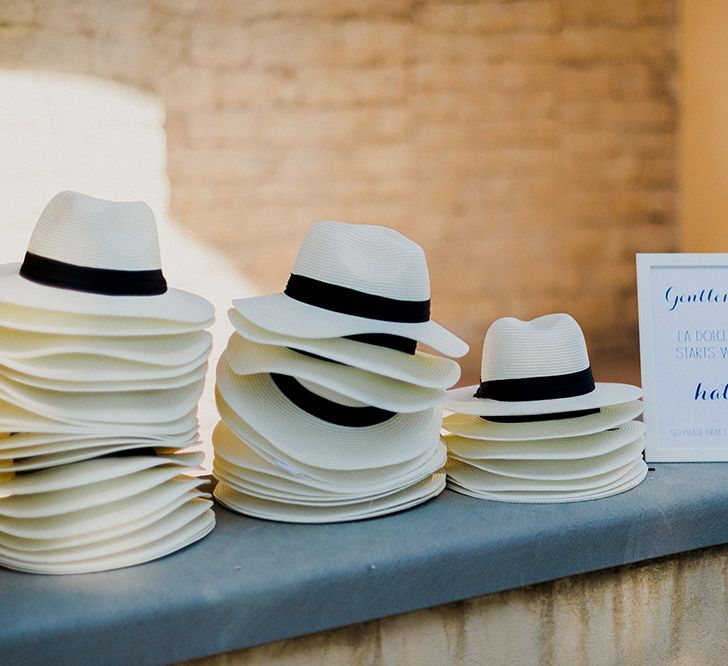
point(683, 318)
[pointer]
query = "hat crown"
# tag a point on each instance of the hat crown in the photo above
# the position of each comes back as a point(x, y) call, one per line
point(85, 231)
point(367, 258)
point(542, 347)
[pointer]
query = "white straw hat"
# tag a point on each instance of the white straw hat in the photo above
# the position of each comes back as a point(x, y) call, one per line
point(536, 367)
point(567, 448)
point(322, 429)
point(260, 508)
point(636, 474)
point(95, 257)
point(39, 320)
point(250, 358)
point(154, 406)
point(460, 472)
point(418, 368)
point(156, 350)
point(351, 280)
point(94, 367)
point(234, 457)
point(559, 470)
point(475, 427)
point(190, 523)
point(338, 480)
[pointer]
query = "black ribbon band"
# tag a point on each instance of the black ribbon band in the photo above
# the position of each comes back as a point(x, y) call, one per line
point(541, 417)
point(526, 389)
point(340, 299)
point(327, 410)
point(106, 281)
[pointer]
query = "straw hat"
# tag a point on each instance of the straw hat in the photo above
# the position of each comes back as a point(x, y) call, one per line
point(249, 358)
point(350, 280)
point(321, 428)
point(417, 368)
point(94, 257)
point(537, 367)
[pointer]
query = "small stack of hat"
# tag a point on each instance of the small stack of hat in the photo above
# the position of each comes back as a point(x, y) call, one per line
point(538, 428)
point(329, 413)
point(101, 369)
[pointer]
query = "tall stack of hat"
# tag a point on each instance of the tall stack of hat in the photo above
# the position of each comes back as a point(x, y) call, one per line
point(329, 413)
point(101, 369)
point(538, 428)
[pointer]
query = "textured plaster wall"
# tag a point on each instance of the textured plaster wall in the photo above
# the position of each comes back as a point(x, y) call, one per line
point(529, 145)
point(667, 612)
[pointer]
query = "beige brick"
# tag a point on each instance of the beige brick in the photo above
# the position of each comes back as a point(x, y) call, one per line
point(188, 88)
point(220, 44)
point(490, 17)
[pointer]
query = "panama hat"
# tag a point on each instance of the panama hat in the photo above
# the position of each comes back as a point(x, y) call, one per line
point(153, 406)
point(418, 368)
point(38, 320)
point(559, 470)
point(94, 367)
point(260, 508)
point(168, 536)
point(234, 457)
point(14, 419)
point(25, 445)
point(339, 480)
point(353, 279)
point(589, 423)
point(487, 482)
point(94, 257)
point(321, 428)
point(249, 358)
point(163, 350)
point(567, 448)
point(632, 478)
point(536, 367)
point(100, 386)
point(81, 525)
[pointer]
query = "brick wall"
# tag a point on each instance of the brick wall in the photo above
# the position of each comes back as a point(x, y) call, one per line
point(529, 146)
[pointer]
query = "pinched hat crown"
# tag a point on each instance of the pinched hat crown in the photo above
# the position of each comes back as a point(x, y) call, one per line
point(366, 258)
point(85, 231)
point(103, 247)
point(550, 345)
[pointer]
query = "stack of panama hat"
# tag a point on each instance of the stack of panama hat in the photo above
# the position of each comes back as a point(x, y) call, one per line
point(329, 412)
point(101, 368)
point(538, 428)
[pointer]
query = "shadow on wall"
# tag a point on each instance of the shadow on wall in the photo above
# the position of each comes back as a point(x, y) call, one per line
point(72, 132)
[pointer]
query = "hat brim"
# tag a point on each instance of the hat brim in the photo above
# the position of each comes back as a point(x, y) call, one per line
point(420, 368)
point(123, 386)
point(566, 448)
point(78, 525)
point(81, 408)
point(157, 350)
point(173, 537)
point(560, 470)
point(482, 481)
point(173, 305)
point(250, 441)
point(290, 513)
point(312, 441)
point(41, 320)
point(474, 427)
point(14, 419)
point(234, 457)
point(28, 445)
point(249, 358)
point(463, 401)
point(281, 314)
point(624, 484)
point(95, 368)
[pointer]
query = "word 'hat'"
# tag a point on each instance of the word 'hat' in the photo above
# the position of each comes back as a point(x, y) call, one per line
point(85, 250)
point(353, 280)
point(537, 367)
